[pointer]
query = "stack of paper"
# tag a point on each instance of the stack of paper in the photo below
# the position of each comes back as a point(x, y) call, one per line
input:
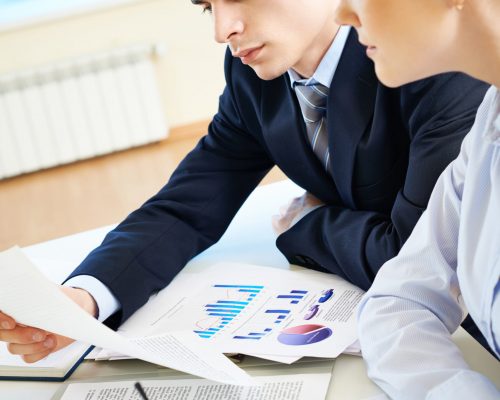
point(276, 314)
point(31, 299)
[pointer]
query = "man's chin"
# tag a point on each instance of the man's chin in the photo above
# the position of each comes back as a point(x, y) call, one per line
point(267, 74)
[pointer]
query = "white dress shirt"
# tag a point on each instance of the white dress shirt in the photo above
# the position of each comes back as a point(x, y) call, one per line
point(324, 75)
point(328, 65)
point(450, 264)
point(106, 302)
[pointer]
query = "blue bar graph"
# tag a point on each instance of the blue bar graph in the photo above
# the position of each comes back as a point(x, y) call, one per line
point(247, 337)
point(219, 310)
point(232, 302)
point(254, 335)
point(220, 315)
point(295, 296)
point(277, 311)
point(233, 299)
point(240, 286)
point(204, 332)
point(224, 306)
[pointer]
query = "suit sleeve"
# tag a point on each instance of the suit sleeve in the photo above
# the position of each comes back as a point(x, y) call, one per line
point(355, 243)
point(190, 213)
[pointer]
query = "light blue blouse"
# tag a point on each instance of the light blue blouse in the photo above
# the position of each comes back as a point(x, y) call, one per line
point(450, 264)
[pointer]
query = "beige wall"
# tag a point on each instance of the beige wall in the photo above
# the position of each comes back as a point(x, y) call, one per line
point(190, 74)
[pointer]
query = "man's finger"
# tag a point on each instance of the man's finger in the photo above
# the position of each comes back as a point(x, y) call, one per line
point(6, 322)
point(33, 348)
point(280, 223)
point(277, 224)
point(22, 335)
point(31, 358)
point(311, 200)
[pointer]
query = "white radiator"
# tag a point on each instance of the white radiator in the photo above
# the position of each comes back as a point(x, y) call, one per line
point(79, 109)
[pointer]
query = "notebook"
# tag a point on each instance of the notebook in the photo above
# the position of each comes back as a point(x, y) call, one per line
point(56, 367)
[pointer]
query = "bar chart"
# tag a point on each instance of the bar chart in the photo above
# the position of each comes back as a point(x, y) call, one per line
point(278, 308)
point(231, 301)
point(294, 296)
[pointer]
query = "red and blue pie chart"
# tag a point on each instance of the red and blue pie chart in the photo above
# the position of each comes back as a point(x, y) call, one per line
point(304, 334)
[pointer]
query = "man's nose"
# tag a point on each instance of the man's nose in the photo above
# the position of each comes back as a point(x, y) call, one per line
point(227, 23)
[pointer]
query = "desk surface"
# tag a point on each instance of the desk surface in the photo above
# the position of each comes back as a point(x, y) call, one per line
point(249, 239)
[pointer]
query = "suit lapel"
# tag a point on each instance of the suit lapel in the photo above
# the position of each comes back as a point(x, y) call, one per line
point(350, 109)
point(285, 133)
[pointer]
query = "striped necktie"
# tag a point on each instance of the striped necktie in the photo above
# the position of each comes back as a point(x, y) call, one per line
point(312, 101)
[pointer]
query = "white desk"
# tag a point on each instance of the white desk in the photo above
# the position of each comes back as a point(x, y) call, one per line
point(249, 239)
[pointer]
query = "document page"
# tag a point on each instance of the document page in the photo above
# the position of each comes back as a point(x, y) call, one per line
point(30, 298)
point(282, 387)
point(240, 308)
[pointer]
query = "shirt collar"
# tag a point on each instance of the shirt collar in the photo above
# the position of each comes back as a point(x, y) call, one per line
point(328, 65)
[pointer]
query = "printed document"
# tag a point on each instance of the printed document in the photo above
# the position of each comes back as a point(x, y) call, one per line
point(239, 308)
point(30, 298)
point(281, 387)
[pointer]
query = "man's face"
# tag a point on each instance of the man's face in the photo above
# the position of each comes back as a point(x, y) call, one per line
point(272, 36)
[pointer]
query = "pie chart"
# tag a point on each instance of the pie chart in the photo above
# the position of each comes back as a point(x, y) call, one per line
point(304, 334)
point(312, 312)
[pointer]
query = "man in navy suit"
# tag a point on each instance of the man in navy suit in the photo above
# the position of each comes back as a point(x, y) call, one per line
point(385, 148)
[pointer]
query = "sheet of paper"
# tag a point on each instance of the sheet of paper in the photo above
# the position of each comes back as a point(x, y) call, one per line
point(354, 349)
point(240, 308)
point(33, 300)
point(282, 387)
point(109, 355)
point(277, 358)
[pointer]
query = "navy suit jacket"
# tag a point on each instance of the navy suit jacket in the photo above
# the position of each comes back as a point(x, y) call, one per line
point(387, 147)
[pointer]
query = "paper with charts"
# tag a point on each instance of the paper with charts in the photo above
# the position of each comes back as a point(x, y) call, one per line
point(33, 300)
point(259, 310)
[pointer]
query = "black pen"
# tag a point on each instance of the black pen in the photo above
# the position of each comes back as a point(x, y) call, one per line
point(141, 391)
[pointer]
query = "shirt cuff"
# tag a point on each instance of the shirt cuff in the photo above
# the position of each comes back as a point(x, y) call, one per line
point(107, 304)
point(303, 213)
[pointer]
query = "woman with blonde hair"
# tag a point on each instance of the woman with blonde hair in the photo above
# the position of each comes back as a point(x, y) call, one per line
point(450, 265)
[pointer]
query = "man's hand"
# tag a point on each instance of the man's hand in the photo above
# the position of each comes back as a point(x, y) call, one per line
point(33, 344)
point(293, 211)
